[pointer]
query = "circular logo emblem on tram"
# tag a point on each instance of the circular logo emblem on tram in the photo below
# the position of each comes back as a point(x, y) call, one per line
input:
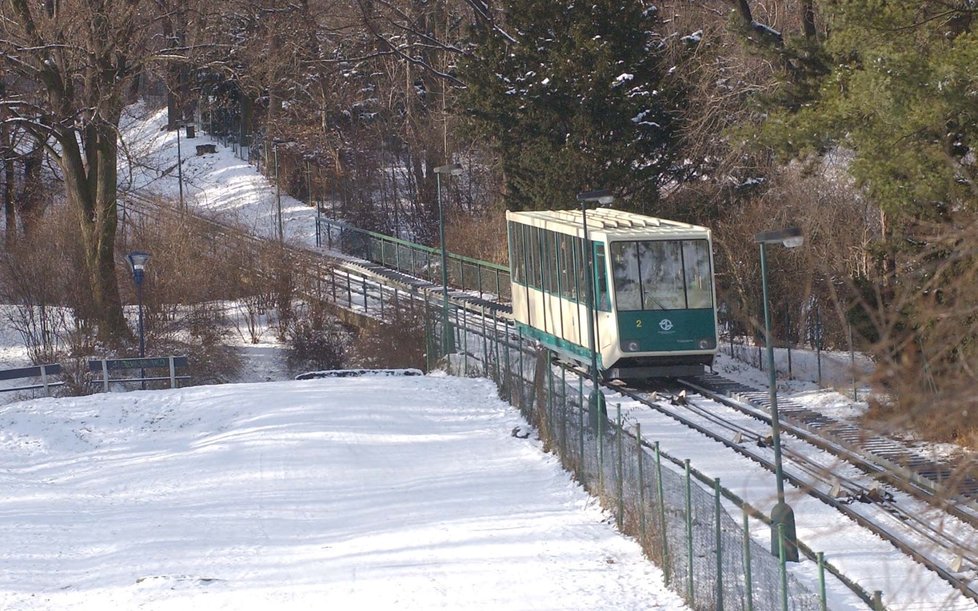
point(665, 324)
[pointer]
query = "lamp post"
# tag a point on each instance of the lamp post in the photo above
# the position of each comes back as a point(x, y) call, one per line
point(782, 516)
point(278, 190)
point(137, 261)
point(447, 335)
point(179, 125)
point(596, 406)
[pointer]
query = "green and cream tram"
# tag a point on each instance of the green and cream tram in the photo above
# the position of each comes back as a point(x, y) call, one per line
point(654, 299)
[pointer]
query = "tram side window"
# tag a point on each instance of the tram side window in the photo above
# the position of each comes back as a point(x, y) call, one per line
point(582, 267)
point(533, 258)
point(577, 271)
point(566, 266)
point(543, 244)
point(624, 270)
point(601, 279)
point(552, 255)
point(516, 263)
point(696, 261)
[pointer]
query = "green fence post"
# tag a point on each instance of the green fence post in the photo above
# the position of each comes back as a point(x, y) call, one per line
point(366, 302)
point(485, 340)
point(427, 339)
point(580, 423)
point(641, 483)
point(509, 373)
point(495, 340)
point(601, 422)
point(620, 491)
point(878, 600)
point(748, 580)
point(719, 534)
point(550, 400)
point(662, 513)
point(689, 531)
point(823, 604)
point(563, 411)
point(783, 561)
point(519, 332)
point(464, 330)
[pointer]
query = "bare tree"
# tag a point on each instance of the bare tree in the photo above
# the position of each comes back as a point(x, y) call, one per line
point(78, 60)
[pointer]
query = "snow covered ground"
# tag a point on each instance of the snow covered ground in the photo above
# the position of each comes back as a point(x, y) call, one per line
point(405, 492)
point(301, 495)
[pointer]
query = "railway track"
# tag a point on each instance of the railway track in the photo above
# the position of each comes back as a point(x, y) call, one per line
point(914, 517)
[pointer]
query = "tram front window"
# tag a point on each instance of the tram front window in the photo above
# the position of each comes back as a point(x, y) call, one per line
point(628, 292)
point(696, 264)
point(662, 274)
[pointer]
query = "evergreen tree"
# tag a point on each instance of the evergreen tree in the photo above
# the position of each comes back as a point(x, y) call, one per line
point(901, 98)
point(576, 96)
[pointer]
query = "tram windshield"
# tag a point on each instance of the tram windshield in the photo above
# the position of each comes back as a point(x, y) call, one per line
point(662, 274)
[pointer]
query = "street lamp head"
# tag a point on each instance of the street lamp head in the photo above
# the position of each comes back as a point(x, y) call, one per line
point(603, 197)
point(453, 169)
point(138, 259)
point(793, 242)
point(789, 238)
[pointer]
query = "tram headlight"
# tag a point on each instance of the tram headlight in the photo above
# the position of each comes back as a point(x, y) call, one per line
point(707, 343)
point(632, 346)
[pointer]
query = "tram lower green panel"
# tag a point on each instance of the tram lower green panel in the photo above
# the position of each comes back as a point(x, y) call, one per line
point(558, 344)
point(666, 330)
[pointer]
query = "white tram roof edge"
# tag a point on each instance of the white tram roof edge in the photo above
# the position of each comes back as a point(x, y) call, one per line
point(609, 223)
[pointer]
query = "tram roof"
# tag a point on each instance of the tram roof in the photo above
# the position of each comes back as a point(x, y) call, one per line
point(617, 223)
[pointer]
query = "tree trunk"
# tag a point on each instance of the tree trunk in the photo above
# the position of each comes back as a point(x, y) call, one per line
point(90, 187)
point(743, 9)
point(9, 193)
point(808, 19)
point(31, 199)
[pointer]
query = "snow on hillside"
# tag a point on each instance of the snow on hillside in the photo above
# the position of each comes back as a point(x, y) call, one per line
point(301, 495)
point(217, 184)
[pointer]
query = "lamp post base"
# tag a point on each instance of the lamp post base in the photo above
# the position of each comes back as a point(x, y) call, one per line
point(447, 336)
point(784, 517)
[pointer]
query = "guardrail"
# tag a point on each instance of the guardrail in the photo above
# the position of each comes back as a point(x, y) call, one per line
point(40, 371)
point(464, 273)
point(105, 367)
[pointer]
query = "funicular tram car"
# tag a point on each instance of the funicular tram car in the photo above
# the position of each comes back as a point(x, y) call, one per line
point(653, 285)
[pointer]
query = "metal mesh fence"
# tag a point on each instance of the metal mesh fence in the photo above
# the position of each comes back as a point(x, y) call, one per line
point(676, 514)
